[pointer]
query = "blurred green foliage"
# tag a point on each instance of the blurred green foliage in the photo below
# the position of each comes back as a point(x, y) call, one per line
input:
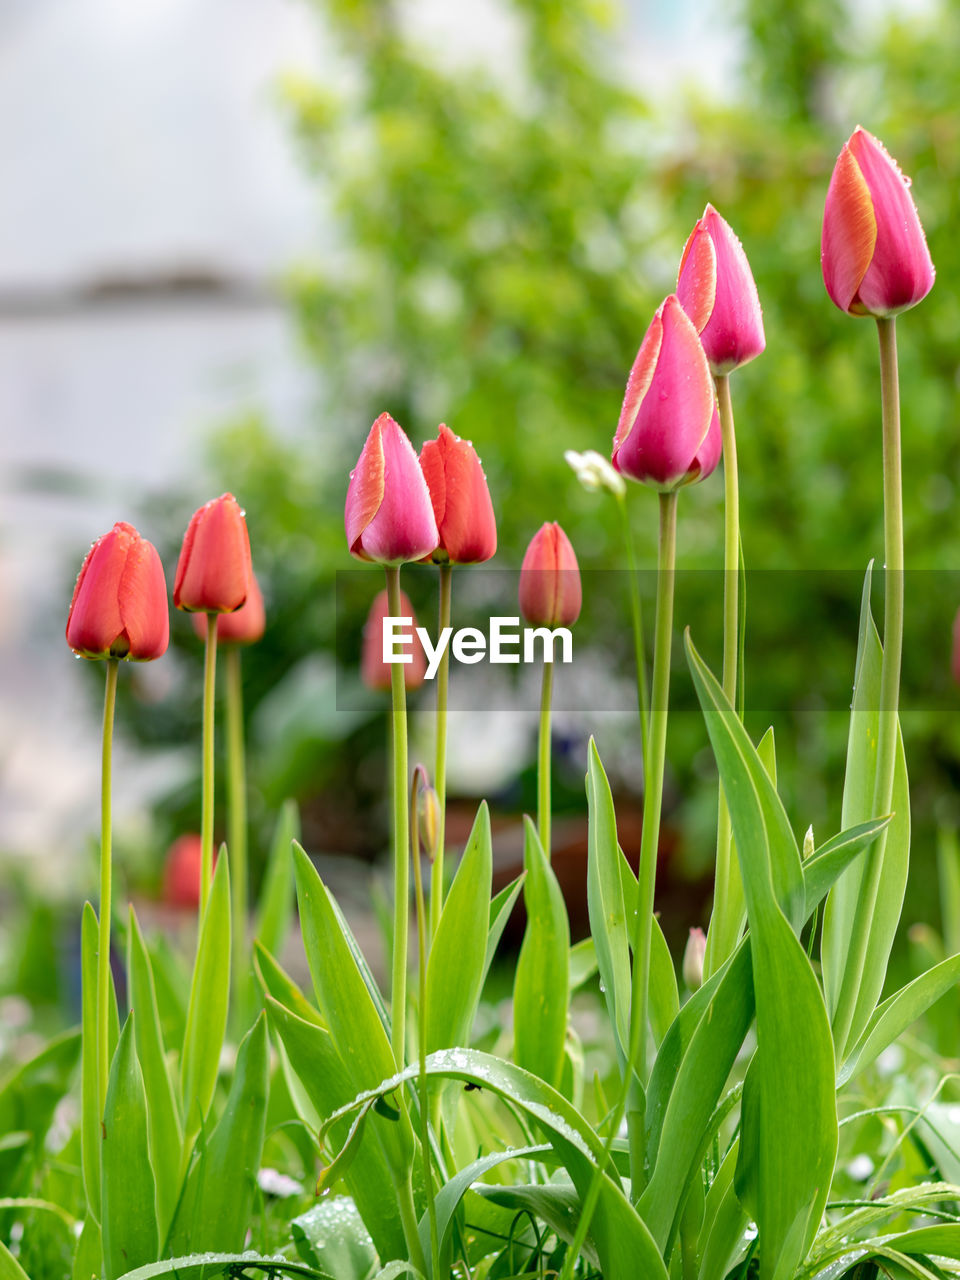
point(496, 241)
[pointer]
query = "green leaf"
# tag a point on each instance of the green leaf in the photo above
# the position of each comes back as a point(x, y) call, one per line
point(321, 1073)
point(332, 1236)
point(624, 1244)
point(541, 988)
point(664, 995)
point(346, 1003)
point(276, 896)
point(609, 921)
point(826, 864)
point(206, 1266)
point(583, 962)
point(216, 1207)
point(207, 1010)
point(680, 1109)
point(555, 1203)
point(89, 1254)
point(858, 794)
point(948, 874)
point(455, 968)
point(89, 1088)
point(724, 1219)
point(501, 908)
point(10, 1268)
point(163, 1118)
point(898, 1012)
point(789, 1130)
point(276, 982)
point(129, 1228)
point(28, 1099)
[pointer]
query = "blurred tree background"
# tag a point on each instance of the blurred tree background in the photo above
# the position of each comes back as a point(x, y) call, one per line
point(499, 244)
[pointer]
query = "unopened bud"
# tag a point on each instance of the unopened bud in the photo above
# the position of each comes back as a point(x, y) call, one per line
point(595, 472)
point(808, 845)
point(429, 815)
point(693, 959)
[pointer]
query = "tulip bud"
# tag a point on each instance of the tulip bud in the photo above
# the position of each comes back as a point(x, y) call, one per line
point(388, 515)
point(669, 429)
point(693, 955)
point(873, 251)
point(717, 291)
point(808, 843)
point(373, 670)
point(214, 570)
point(461, 500)
point(428, 821)
point(119, 606)
point(245, 625)
point(181, 872)
point(594, 472)
point(550, 590)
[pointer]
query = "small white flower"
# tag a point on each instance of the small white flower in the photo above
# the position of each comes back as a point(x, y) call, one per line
point(274, 1183)
point(595, 472)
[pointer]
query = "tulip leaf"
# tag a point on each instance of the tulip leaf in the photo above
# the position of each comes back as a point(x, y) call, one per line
point(664, 994)
point(610, 922)
point(332, 1236)
point(789, 1132)
point(207, 1266)
point(843, 904)
point(10, 1268)
point(162, 1115)
point(127, 1197)
point(724, 1219)
point(217, 1201)
point(455, 968)
point(346, 1003)
point(541, 988)
point(501, 908)
point(583, 962)
point(827, 863)
point(322, 1075)
point(207, 1010)
point(623, 1243)
point(898, 1012)
point(277, 895)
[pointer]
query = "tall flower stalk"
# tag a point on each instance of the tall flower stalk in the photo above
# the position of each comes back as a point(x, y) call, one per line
point(106, 879)
point(401, 849)
point(440, 768)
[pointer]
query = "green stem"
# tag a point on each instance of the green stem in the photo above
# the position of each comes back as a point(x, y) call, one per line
point(106, 882)
point(725, 917)
point(206, 823)
point(408, 1210)
point(889, 680)
point(418, 776)
point(543, 760)
point(654, 761)
point(401, 852)
point(636, 615)
point(237, 819)
point(440, 768)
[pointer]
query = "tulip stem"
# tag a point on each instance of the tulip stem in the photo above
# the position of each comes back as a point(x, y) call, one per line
point(401, 852)
point(654, 760)
point(889, 684)
point(237, 821)
point(637, 619)
point(418, 779)
point(440, 768)
point(543, 760)
point(728, 895)
point(106, 881)
point(206, 821)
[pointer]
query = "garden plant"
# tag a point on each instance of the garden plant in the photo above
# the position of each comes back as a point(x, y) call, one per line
point(726, 1132)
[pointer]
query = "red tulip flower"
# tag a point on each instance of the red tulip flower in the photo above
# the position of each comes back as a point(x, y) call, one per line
point(373, 669)
point(119, 606)
point(181, 872)
point(245, 625)
point(214, 568)
point(550, 589)
point(873, 251)
point(669, 429)
point(461, 500)
point(389, 516)
point(717, 290)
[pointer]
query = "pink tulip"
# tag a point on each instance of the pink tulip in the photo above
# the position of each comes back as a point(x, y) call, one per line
point(373, 670)
point(716, 289)
point(669, 430)
point(119, 606)
point(550, 589)
point(389, 516)
point(461, 499)
point(873, 251)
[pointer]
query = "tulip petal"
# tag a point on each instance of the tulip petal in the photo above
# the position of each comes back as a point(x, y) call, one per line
point(94, 622)
point(901, 271)
point(733, 334)
point(142, 599)
point(550, 591)
point(708, 455)
point(697, 277)
point(403, 527)
point(849, 231)
point(214, 568)
point(365, 491)
point(461, 499)
point(641, 375)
